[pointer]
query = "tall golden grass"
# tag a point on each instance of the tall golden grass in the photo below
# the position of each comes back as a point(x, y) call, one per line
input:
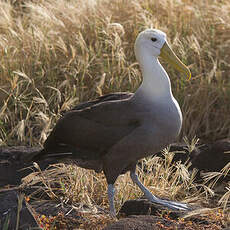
point(56, 53)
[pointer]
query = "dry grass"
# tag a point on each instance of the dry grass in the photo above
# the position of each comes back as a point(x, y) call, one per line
point(74, 184)
point(71, 185)
point(56, 53)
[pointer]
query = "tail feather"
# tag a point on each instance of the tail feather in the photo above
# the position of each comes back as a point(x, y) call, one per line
point(64, 152)
point(83, 158)
point(59, 152)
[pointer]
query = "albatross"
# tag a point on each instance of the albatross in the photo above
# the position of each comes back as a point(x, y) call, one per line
point(113, 132)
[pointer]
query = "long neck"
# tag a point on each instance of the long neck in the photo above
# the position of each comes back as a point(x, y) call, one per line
point(156, 83)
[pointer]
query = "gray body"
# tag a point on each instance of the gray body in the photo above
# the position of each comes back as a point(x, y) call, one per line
point(113, 132)
point(113, 135)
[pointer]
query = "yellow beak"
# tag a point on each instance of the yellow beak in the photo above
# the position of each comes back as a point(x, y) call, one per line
point(168, 55)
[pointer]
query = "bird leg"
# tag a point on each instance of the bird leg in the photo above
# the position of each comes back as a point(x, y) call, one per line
point(170, 204)
point(111, 192)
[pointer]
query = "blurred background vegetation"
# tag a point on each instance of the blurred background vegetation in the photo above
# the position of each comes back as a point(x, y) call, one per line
point(56, 53)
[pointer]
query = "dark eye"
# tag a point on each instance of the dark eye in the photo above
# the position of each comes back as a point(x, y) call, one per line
point(153, 39)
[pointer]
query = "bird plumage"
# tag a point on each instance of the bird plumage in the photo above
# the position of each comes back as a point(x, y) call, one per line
point(114, 131)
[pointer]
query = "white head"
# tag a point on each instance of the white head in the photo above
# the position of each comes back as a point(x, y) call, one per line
point(152, 43)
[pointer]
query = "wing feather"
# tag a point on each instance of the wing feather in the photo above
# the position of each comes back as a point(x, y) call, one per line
point(91, 128)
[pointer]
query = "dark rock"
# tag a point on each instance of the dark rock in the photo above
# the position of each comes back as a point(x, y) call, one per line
point(145, 223)
point(9, 210)
point(137, 223)
point(13, 165)
point(206, 157)
point(181, 152)
point(145, 207)
point(212, 157)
